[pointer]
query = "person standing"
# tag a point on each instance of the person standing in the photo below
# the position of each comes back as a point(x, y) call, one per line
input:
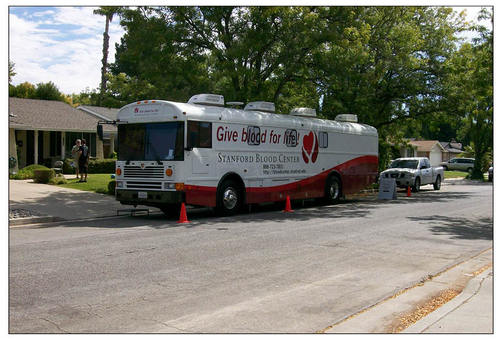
point(75, 155)
point(83, 160)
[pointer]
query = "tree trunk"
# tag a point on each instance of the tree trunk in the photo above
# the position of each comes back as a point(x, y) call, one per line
point(105, 50)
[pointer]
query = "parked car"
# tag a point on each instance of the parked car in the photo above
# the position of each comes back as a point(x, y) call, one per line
point(490, 173)
point(414, 172)
point(461, 164)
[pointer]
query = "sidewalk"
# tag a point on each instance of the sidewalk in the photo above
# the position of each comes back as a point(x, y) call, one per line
point(471, 311)
point(31, 202)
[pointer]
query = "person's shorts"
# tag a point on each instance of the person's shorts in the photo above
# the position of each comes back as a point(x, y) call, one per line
point(83, 168)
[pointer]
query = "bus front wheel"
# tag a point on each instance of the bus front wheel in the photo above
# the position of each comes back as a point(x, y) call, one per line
point(229, 198)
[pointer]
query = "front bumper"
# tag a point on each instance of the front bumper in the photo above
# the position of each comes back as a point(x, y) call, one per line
point(154, 198)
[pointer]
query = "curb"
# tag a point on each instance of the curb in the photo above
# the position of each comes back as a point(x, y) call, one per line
point(469, 291)
point(32, 220)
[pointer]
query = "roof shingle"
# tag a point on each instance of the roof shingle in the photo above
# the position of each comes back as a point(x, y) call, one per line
point(36, 114)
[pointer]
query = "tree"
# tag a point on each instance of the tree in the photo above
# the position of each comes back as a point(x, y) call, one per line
point(108, 12)
point(12, 73)
point(47, 91)
point(469, 95)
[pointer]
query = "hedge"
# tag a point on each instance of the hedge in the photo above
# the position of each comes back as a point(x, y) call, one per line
point(43, 175)
point(27, 172)
point(96, 166)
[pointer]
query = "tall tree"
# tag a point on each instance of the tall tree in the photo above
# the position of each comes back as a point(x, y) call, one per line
point(108, 12)
point(469, 94)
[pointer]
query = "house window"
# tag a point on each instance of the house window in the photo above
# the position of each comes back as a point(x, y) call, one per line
point(55, 143)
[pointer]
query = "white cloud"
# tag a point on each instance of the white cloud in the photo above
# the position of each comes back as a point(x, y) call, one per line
point(62, 45)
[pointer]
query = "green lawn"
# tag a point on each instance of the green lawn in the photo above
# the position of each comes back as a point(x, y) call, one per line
point(455, 174)
point(95, 182)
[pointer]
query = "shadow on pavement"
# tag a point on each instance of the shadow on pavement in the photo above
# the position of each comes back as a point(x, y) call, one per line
point(459, 227)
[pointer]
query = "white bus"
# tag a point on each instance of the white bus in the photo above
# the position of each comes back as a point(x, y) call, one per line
point(205, 154)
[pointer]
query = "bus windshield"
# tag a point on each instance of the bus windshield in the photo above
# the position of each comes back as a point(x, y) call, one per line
point(404, 163)
point(151, 142)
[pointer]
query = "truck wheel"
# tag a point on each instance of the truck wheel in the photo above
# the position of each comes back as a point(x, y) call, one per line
point(416, 187)
point(469, 170)
point(437, 183)
point(333, 190)
point(229, 198)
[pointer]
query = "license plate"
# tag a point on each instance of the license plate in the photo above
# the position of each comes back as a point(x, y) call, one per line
point(142, 194)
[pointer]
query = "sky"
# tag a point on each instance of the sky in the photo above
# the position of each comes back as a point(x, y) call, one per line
point(64, 45)
point(59, 44)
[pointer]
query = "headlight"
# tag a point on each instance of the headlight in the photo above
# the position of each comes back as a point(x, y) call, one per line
point(119, 184)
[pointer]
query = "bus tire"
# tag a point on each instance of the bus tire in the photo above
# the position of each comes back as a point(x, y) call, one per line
point(333, 190)
point(229, 198)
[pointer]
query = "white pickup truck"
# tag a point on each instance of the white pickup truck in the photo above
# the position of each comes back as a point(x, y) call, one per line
point(414, 172)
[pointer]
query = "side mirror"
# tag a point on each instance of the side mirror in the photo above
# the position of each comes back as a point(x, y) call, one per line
point(100, 132)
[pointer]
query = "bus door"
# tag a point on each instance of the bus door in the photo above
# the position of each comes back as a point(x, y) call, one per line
point(199, 140)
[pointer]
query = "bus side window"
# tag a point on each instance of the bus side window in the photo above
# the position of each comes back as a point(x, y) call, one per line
point(199, 134)
point(323, 140)
point(253, 137)
point(291, 138)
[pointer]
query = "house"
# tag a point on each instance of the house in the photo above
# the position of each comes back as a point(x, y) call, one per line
point(431, 149)
point(44, 131)
point(107, 114)
point(453, 149)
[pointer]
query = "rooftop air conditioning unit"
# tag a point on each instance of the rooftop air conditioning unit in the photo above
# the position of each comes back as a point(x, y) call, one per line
point(260, 106)
point(303, 112)
point(207, 99)
point(347, 118)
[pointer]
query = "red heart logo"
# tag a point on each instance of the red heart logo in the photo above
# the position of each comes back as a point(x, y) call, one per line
point(310, 147)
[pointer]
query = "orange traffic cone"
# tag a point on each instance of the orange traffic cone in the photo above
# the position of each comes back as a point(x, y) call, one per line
point(288, 207)
point(183, 216)
point(408, 191)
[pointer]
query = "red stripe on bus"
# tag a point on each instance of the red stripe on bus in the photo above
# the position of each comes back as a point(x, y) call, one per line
point(356, 174)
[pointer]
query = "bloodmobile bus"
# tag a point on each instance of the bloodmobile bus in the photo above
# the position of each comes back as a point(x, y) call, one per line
point(205, 154)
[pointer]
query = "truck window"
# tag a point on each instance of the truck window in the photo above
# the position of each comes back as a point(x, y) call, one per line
point(199, 134)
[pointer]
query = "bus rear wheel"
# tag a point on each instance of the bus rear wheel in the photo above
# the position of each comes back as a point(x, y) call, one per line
point(333, 190)
point(229, 198)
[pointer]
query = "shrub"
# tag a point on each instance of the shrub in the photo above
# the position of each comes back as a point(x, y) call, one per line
point(43, 175)
point(102, 166)
point(58, 179)
point(96, 166)
point(67, 168)
point(28, 172)
point(111, 187)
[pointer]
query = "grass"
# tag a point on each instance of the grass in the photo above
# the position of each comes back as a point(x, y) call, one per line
point(95, 182)
point(455, 174)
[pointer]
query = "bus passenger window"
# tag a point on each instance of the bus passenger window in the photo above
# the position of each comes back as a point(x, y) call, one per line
point(291, 138)
point(253, 135)
point(199, 134)
point(323, 140)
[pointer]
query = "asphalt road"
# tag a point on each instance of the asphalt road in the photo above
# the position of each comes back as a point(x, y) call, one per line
point(264, 272)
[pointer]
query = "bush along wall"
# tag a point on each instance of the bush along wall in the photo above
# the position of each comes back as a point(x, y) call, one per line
point(43, 175)
point(96, 166)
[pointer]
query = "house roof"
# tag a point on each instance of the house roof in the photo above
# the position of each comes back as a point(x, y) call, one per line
point(452, 146)
point(425, 145)
point(100, 112)
point(50, 115)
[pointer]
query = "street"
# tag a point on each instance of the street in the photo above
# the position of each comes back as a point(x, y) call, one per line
point(260, 272)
